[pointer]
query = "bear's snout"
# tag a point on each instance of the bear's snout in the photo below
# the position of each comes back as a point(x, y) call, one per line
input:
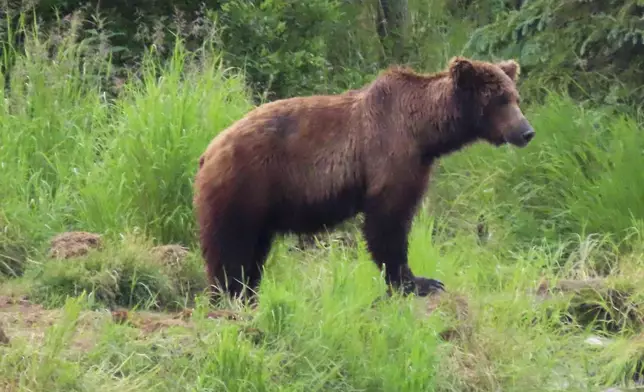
point(522, 134)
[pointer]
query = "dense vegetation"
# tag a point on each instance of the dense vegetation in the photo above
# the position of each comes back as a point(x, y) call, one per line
point(106, 113)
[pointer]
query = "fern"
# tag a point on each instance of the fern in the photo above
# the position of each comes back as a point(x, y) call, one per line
point(594, 47)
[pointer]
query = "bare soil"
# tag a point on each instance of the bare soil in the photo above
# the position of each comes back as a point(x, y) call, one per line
point(73, 244)
point(21, 319)
point(169, 255)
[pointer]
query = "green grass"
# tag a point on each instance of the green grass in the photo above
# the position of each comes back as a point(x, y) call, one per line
point(566, 208)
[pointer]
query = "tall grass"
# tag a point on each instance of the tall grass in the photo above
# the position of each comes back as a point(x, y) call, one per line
point(577, 177)
point(72, 159)
point(497, 222)
point(317, 328)
point(161, 126)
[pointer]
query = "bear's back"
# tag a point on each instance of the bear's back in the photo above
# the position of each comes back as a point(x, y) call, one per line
point(302, 154)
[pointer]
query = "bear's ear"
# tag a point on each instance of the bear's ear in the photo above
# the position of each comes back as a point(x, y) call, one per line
point(463, 72)
point(511, 68)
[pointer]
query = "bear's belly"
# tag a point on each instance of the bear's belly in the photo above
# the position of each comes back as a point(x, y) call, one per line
point(296, 216)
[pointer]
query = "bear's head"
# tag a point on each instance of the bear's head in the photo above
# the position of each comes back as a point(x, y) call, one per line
point(489, 95)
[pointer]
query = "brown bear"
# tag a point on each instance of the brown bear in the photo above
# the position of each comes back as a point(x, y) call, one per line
point(298, 165)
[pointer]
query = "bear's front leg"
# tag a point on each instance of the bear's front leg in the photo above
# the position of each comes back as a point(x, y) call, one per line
point(386, 236)
point(408, 283)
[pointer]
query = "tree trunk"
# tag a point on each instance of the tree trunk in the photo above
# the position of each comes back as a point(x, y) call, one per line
point(391, 24)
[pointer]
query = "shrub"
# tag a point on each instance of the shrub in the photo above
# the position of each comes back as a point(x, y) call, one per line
point(122, 274)
point(590, 48)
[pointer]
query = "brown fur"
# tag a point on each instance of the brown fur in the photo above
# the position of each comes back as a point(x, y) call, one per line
point(300, 164)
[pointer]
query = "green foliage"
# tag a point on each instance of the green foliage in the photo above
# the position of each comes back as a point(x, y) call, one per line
point(51, 115)
point(576, 177)
point(124, 28)
point(160, 128)
point(72, 159)
point(283, 45)
point(435, 33)
point(14, 249)
point(317, 328)
point(45, 368)
point(124, 274)
point(589, 48)
point(76, 155)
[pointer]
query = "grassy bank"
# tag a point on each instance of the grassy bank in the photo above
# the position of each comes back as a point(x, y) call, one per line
point(514, 234)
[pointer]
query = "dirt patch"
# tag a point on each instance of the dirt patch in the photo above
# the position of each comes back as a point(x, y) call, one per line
point(22, 320)
point(169, 255)
point(13, 309)
point(456, 309)
point(74, 244)
point(149, 322)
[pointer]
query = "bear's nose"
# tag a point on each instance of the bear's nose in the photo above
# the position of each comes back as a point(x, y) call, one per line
point(528, 135)
point(526, 131)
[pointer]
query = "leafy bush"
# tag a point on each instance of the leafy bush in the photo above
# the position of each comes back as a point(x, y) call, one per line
point(283, 45)
point(576, 177)
point(593, 48)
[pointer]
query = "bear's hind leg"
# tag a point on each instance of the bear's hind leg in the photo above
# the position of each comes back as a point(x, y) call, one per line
point(229, 252)
point(227, 271)
point(261, 250)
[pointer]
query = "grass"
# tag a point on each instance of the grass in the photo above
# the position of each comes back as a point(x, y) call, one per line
point(514, 234)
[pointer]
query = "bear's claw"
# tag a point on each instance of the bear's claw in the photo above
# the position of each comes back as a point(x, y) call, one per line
point(427, 286)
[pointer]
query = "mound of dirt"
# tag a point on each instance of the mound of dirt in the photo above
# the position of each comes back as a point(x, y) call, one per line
point(169, 255)
point(73, 244)
point(456, 308)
